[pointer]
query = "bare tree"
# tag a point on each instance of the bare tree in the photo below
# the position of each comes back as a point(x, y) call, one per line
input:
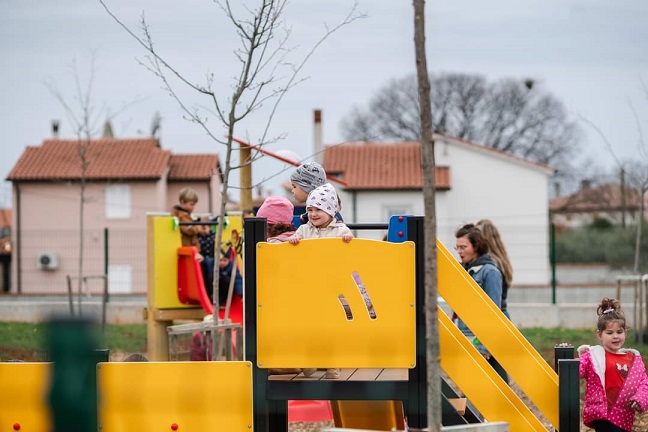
point(635, 173)
point(85, 118)
point(427, 157)
point(262, 54)
point(516, 116)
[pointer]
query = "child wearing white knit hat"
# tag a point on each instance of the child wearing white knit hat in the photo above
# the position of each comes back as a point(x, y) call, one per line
point(322, 205)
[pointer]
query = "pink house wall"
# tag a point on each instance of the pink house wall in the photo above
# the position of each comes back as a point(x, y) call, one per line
point(47, 215)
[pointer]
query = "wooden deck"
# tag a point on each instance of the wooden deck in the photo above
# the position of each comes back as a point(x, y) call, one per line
point(348, 375)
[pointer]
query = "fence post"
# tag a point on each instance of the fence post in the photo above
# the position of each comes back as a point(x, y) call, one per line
point(561, 352)
point(568, 395)
point(552, 260)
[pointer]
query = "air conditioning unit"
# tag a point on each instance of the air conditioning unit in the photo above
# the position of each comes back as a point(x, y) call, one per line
point(48, 261)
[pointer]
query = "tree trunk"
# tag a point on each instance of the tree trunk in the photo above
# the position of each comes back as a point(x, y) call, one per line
point(427, 157)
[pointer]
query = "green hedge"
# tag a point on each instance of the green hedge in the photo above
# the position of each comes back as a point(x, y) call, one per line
point(600, 243)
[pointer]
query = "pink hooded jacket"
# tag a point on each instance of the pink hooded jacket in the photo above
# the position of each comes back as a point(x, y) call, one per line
point(635, 388)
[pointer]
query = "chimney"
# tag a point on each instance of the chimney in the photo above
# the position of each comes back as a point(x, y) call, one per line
point(55, 129)
point(585, 184)
point(107, 130)
point(318, 147)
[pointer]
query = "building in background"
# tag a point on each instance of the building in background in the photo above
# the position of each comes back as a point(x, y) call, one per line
point(124, 180)
point(609, 202)
point(473, 182)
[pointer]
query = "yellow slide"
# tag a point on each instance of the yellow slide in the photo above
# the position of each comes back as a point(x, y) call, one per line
point(479, 381)
point(518, 357)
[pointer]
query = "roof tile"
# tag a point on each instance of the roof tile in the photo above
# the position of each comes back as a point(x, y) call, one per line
point(107, 159)
point(381, 166)
point(193, 167)
point(607, 197)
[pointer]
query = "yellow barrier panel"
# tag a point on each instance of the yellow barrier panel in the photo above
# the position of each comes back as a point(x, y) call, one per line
point(23, 397)
point(164, 240)
point(183, 396)
point(490, 394)
point(378, 415)
point(302, 320)
point(163, 262)
point(518, 357)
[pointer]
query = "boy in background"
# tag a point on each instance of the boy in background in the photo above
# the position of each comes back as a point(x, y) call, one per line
point(189, 233)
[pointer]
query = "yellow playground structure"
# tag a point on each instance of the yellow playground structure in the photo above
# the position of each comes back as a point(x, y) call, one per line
point(357, 306)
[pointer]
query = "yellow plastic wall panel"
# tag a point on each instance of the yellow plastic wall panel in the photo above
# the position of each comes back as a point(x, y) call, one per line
point(479, 381)
point(164, 241)
point(518, 357)
point(301, 322)
point(234, 228)
point(23, 397)
point(193, 396)
point(378, 415)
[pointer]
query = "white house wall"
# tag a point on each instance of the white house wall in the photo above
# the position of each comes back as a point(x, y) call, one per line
point(513, 194)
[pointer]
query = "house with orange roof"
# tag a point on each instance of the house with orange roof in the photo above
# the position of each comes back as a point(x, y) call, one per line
point(124, 180)
point(611, 202)
point(473, 182)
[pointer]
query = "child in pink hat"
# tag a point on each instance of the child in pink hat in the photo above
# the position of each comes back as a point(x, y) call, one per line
point(279, 214)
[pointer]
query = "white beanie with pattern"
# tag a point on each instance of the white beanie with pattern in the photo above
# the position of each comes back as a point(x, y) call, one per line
point(324, 198)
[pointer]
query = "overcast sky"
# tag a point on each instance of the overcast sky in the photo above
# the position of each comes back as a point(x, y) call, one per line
point(592, 54)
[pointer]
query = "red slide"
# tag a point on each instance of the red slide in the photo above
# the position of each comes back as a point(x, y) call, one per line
point(309, 411)
point(191, 286)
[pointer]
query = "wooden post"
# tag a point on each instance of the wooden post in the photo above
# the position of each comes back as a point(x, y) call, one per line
point(246, 179)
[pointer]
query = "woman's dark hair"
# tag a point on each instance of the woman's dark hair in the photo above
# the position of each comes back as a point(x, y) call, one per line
point(475, 237)
point(279, 228)
point(608, 311)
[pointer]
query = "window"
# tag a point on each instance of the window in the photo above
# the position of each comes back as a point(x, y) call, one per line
point(119, 279)
point(118, 201)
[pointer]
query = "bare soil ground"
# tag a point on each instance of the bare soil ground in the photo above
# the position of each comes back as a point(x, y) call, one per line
point(641, 421)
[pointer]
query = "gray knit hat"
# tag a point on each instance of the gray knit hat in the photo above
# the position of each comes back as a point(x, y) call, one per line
point(324, 198)
point(309, 176)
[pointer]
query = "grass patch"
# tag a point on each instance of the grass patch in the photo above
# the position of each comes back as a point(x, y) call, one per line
point(25, 341)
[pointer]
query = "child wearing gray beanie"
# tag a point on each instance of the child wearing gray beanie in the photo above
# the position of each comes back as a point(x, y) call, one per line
point(306, 177)
point(304, 180)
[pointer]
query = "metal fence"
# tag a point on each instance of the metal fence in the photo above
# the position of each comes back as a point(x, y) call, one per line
point(44, 260)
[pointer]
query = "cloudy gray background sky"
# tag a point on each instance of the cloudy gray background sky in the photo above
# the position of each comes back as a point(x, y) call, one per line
point(592, 54)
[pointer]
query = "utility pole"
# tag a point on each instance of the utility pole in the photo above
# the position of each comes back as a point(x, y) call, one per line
point(623, 200)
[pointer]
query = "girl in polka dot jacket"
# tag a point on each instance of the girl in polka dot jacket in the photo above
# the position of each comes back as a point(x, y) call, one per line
point(615, 377)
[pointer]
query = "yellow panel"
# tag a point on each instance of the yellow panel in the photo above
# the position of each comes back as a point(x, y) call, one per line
point(164, 241)
point(479, 381)
point(301, 322)
point(195, 396)
point(379, 415)
point(23, 396)
point(518, 357)
point(234, 227)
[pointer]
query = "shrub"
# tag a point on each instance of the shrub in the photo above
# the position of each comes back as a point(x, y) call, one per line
point(596, 243)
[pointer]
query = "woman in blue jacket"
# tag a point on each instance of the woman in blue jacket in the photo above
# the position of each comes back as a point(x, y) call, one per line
point(472, 248)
